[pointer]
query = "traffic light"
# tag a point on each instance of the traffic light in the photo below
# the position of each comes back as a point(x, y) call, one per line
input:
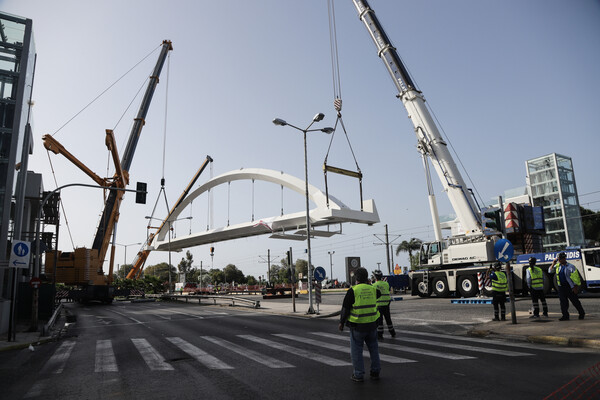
point(141, 192)
point(212, 251)
point(491, 221)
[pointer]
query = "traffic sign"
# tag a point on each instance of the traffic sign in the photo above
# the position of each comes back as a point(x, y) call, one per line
point(320, 274)
point(504, 250)
point(20, 254)
point(35, 282)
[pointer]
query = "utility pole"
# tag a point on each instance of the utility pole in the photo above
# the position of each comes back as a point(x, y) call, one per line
point(387, 244)
point(331, 253)
point(268, 261)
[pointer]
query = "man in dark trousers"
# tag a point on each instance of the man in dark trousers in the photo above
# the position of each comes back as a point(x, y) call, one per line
point(535, 281)
point(359, 313)
point(569, 282)
point(383, 304)
point(499, 286)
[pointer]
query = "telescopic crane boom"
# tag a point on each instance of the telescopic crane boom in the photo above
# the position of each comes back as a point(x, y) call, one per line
point(430, 143)
point(84, 266)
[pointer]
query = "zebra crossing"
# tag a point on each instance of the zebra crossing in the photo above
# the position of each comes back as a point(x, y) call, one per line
point(326, 348)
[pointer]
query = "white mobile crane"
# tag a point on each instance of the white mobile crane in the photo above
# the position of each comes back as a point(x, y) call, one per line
point(459, 257)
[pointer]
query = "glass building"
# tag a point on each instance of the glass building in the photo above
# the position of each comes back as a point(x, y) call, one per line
point(551, 182)
point(17, 63)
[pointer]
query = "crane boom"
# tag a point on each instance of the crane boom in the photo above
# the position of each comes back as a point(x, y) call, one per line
point(113, 202)
point(430, 142)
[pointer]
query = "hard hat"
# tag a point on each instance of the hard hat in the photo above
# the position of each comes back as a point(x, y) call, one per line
point(498, 265)
point(532, 260)
point(377, 273)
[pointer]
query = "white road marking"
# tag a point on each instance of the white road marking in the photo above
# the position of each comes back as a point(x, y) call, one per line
point(344, 349)
point(500, 343)
point(449, 356)
point(251, 354)
point(297, 351)
point(57, 362)
point(153, 359)
point(200, 355)
point(105, 357)
point(500, 352)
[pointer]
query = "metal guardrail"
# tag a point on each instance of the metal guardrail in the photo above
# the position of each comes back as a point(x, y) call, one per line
point(233, 299)
point(52, 320)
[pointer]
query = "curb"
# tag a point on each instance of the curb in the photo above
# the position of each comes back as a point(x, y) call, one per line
point(541, 339)
point(24, 345)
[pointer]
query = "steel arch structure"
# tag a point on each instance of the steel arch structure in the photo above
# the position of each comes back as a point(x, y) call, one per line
point(322, 215)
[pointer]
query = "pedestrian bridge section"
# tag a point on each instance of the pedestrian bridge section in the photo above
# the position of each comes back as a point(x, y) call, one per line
point(279, 227)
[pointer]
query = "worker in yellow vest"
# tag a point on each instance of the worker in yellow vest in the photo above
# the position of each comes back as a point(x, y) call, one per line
point(383, 304)
point(499, 287)
point(535, 280)
point(359, 313)
point(569, 282)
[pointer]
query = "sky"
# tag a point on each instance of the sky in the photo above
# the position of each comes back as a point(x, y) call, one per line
point(508, 81)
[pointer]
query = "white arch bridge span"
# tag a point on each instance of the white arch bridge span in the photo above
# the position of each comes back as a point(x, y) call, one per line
point(323, 214)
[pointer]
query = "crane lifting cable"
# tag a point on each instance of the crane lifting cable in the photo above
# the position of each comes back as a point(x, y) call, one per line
point(337, 102)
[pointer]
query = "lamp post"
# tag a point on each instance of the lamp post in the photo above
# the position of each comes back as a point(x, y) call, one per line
point(331, 253)
point(126, 246)
point(316, 118)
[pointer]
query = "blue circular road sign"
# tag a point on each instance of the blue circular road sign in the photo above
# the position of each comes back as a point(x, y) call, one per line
point(504, 250)
point(320, 274)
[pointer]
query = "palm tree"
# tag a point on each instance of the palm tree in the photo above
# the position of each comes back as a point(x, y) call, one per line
point(413, 244)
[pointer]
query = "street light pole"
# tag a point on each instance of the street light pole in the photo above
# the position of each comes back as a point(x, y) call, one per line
point(316, 118)
point(331, 263)
point(126, 246)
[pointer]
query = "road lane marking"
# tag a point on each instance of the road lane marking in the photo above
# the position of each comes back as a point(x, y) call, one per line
point(529, 346)
point(449, 356)
point(297, 351)
point(500, 352)
point(199, 354)
point(105, 357)
point(153, 359)
point(251, 354)
point(37, 389)
point(343, 349)
point(59, 359)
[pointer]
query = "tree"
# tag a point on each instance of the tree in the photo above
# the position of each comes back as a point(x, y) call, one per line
point(161, 271)
point(250, 280)
point(216, 276)
point(233, 274)
point(591, 226)
point(124, 270)
point(409, 246)
point(185, 265)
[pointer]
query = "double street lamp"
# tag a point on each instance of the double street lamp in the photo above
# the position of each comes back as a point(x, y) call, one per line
point(281, 122)
point(126, 246)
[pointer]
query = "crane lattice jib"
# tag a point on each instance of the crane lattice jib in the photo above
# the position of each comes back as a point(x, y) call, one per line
point(429, 138)
point(111, 208)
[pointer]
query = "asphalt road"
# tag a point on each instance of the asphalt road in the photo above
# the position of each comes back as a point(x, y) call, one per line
point(162, 350)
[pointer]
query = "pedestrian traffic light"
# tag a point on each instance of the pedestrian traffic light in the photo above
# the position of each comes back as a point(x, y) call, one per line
point(212, 251)
point(140, 194)
point(491, 221)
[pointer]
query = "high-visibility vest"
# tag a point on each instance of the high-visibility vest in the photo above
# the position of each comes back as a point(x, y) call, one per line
point(537, 278)
point(364, 309)
point(574, 275)
point(384, 289)
point(500, 283)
